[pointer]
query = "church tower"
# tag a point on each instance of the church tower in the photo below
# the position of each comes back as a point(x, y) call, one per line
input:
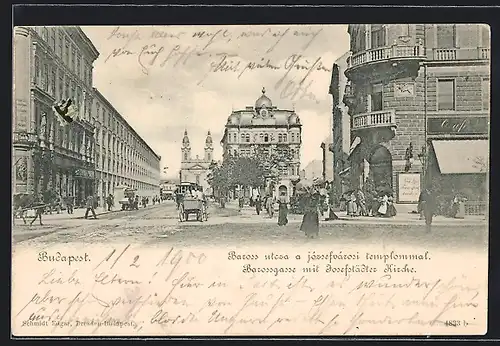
point(186, 148)
point(209, 148)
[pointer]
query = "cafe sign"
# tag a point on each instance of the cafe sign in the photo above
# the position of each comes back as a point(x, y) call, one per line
point(458, 125)
point(408, 187)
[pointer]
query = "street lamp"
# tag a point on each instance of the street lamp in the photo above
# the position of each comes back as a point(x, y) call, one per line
point(423, 160)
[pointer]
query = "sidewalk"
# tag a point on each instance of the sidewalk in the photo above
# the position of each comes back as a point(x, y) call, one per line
point(404, 216)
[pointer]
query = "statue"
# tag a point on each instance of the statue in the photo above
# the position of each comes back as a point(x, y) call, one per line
point(22, 169)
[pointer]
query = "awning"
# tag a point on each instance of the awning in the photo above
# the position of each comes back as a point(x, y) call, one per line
point(344, 172)
point(355, 143)
point(462, 156)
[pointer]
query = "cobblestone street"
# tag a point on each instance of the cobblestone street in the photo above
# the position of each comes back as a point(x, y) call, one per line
point(159, 226)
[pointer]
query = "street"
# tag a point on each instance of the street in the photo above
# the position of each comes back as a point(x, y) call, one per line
point(159, 226)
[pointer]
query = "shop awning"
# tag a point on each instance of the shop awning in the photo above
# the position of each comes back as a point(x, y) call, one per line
point(462, 156)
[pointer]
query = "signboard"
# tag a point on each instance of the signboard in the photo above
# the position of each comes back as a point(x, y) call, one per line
point(408, 187)
point(21, 115)
point(84, 173)
point(458, 125)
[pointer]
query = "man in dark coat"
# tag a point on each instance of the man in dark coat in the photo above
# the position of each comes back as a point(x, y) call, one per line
point(427, 203)
point(90, 205)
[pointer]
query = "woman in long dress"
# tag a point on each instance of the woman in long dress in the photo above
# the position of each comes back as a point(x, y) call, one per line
point(282, 211)
point(310, 221)
point(382, 210)
point(352, 207)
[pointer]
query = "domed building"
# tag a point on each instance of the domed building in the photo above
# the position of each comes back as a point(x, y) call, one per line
point(265, 125)
point(195, 170)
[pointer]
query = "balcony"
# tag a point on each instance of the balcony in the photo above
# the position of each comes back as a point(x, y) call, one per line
point(384, 55)
point(377, 119)
point(447, 54)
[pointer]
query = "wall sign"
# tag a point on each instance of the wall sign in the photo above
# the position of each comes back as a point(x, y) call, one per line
point(458, 125)
point(21, 114)
point(403, 89)
point(408, 187)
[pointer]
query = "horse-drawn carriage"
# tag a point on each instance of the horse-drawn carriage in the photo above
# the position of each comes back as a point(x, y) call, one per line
point(190, 206)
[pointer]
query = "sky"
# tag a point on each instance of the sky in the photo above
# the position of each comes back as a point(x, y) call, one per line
point(167, 79)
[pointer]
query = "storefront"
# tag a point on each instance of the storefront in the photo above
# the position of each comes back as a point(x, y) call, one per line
point(458, 158)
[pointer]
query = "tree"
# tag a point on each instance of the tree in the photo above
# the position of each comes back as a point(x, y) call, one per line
point(273, 161)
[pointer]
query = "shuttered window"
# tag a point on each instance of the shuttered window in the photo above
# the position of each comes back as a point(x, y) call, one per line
point(446, 36)
point(446, 94)
point(485, 93)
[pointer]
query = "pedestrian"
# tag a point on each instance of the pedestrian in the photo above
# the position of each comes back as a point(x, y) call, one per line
point(429, 207)
point(282, 211)
point(258, 204)
point(391, 209)
point(310, 220)
point(69, 204)
point(109, 202)
point(90, 207)
point(361, 203)
point(384, 201)
point(270, 206)
point(136, 202)
point(352, 207)
point(39, 206)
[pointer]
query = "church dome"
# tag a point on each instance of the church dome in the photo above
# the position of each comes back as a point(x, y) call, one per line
point(263, 101)
point(185, 140)
point(294, 119)
point(208, 141)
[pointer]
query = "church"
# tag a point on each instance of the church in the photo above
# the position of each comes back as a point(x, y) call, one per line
point(195, 170)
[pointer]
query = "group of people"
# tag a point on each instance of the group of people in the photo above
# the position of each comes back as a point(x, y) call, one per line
point(380, 206)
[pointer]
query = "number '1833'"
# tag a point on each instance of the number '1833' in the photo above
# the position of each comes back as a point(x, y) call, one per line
point(455, 323)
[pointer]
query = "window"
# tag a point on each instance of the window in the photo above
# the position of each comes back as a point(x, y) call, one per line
point(78, 65)
point(67, 89)
point(37, 70)
point(378, 36)
point(45, 34)
point(284, 137)
point(376, 98)
point(280, 139)
point(446, 94)
point(185, 156)
point(209, 157)
point(446, 36)
point(61, 86)
point(73, 53)
point(242, 137)
point(485, 91)
point(485, 36)
point(67, 54)
point(466, 36)
point(53, 38)
point(261, 136)
point(45, 77)
point(53, 82)
point(266, 138)
point(60, 44)
point(405, 29)
point(247, 138)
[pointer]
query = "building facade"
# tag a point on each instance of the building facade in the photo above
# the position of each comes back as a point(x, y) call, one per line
point(196, 170)
point(313, 170)
point(266, 126)
point(51, 64)
point(340, 125)
point(418, 98)
point(327, 159)
point(123, 158)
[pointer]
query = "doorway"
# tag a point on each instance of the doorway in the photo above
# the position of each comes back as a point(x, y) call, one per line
point(380, 170)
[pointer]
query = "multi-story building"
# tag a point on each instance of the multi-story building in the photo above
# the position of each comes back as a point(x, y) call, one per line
point(419, 105)
point(51, 64)
point(327, 159)
point(313, 170)
point(195, 170)
point(265, 126)
point(123, 158)
point(340, 125)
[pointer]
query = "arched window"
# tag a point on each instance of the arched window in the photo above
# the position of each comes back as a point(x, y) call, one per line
point(266, 138)
point(261, 137)
point(247, 137)
point(280, 138)
point(292, 153)
point(284, 137)
point(242, 137)
point(185, 156)
point(235, 138)
point(209, 157)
